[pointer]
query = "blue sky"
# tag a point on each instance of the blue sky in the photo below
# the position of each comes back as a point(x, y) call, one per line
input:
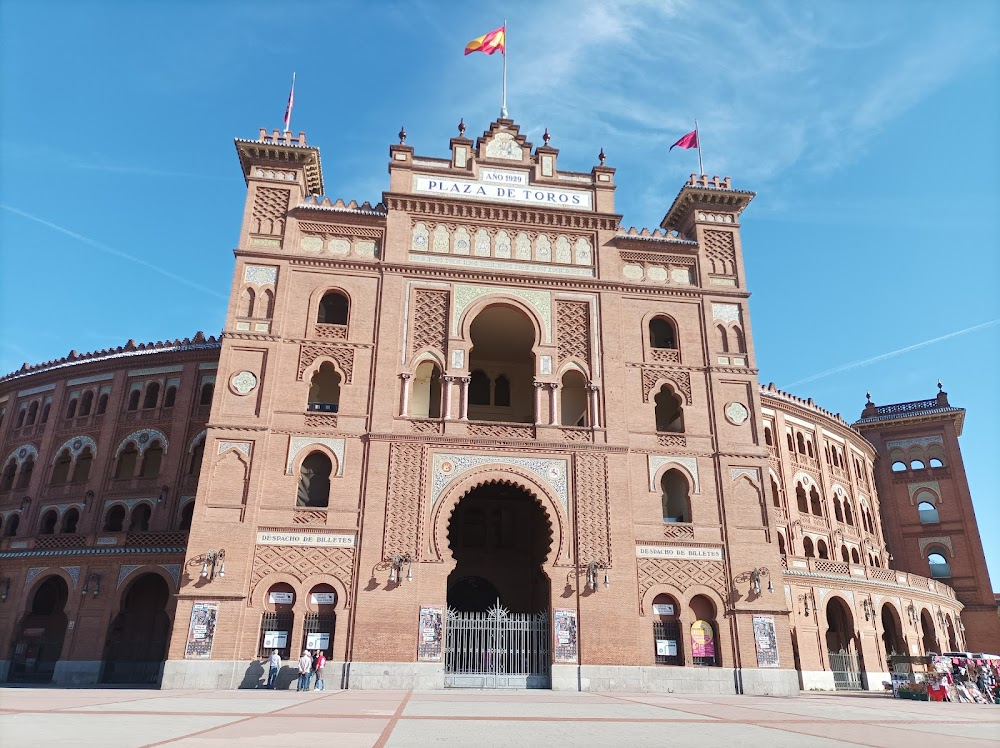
point(869, 131)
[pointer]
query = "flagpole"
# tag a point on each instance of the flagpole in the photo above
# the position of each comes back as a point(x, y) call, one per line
point(697, 136)
point(503, 101)
point(291, 101)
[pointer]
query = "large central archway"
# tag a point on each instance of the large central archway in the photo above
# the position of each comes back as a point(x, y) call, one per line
point(137, 639)
point(498, 592)
point(38, 644)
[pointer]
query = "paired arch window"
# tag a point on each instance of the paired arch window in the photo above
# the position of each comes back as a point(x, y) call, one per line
point(425, 398)
point(768, 436)
point(821, 550)
point(45, 412)
point(483, 391)
point(7, 477)
point(781, 545)
point(807, 548)
point(314, 481)
point(60, 473)
point(197, 456)
point(775, 492)
point(333, 309)
point(324, 389)
point(151, 460)
point(662, 333)
point(127, 459)
point(938, 562)
point(574, 407)
point(24, 474)
point(668, 412)
point(675, 497)
point(187, 513)
point(139, 521)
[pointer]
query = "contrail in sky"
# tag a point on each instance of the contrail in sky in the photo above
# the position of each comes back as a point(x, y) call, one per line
point(114, 252)
point(890, 354)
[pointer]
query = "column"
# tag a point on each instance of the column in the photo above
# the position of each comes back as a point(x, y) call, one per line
point(594, 412)
point(538, 402)
point(463, 403)
point(553, 403)
point(404, 399)
point(447, 380)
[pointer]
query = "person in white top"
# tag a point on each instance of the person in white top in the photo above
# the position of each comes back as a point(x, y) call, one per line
point(305, 671)
point(274, 662)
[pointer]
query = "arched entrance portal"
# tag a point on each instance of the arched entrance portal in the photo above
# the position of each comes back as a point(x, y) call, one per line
point(137, 638)
point(39, 641)
point(498, 593)
point(929, 637)
point(892, 634)
point(842, 647)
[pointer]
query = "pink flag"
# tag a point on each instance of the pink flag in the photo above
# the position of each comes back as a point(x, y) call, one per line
point(291, 103)
point(688, 141)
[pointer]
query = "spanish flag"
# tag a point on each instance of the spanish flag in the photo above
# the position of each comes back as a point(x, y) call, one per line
point(488, 43)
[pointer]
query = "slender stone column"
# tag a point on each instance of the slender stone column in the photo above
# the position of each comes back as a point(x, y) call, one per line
point(538, 402)
point(594, 412)
point(553, 403)
point(404, 400)
point(447, 379)
point(463, 404)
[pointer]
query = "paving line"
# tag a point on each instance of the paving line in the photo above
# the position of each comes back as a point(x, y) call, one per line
point(393, 721)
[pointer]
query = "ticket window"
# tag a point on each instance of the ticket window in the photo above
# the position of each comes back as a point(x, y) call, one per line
point(276, 621)
point(667, 639)
point(320, 620)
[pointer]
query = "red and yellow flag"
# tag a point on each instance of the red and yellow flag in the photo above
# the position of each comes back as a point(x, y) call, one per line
point(488, 43)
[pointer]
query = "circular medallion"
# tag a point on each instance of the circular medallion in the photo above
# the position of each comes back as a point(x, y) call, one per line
point(447, 468)
point(243, 383)
point(22, 452)
point(737, 413)
point(78, 444)
point(462, 243)
point(143, 437)
point(420, 240)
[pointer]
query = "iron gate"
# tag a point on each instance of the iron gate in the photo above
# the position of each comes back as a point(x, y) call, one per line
point(846, 671)
point(497, 649)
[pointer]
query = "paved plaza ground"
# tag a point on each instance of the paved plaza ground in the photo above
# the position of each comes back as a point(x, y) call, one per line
point(113, 718)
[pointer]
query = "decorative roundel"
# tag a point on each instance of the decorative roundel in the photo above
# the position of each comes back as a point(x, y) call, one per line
point(420, 240)
point(22, 452)
point(447, 467)
point(243, 383)
point(143, 437)
point(737, 413)
point(77, 444)
point(553, 473)
point(463, 243)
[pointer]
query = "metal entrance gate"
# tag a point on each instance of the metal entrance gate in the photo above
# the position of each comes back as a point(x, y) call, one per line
point(846, 671)
point(497, 649)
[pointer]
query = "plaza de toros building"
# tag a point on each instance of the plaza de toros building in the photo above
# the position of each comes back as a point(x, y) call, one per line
point(481, 435)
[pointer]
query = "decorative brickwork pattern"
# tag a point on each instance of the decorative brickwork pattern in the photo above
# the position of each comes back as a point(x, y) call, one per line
point(665, 355)
point(677, 531)
point(720, 249)
point(680, 574)
point(671, 440)
point(270, 205)
point(342, 354)
point(403, 499)
point(303, 563)
point(309, 518)
point(592, 504)
point(502, 430)
point(573, 330)
point(681, 381)
point(330, 332)
point(321, 421)
point(430, 321)
point(427, 427)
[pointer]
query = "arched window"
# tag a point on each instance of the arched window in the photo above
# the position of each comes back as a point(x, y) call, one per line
point(265, 305)
point(139, 521)
point(809, 448)
point(86, 403)
point(114, 519)
point(10, 530)
point(479, 388)
point(151, 460)
point(768, 439)
point(807, 547)
point(32, 413)
point(152, 395)
point(837, 512)
point(741, 346)
point(775, 492)
point(45, 412)
point(826, 451)
point(20, 417)
point(314, 481)
point(246, 302)
point(916, 465)
point(781, 545)
point(667, 638)
point(133, 399)
point(855, 558)
point(936, 463)
point(928, 513)
point(801, 442)
point(938, 563)
point(170, 396)
point(791, 444)
point(704, 633)
point(848, 514)
point(723, 339)
point(425, 398)
point(878, 562)
point(814, 502)
point(668, 412)
point(675, 497)
point(102, 404)
point(207, 391)
point(662, 333)
point(333, 309)
point(24, 476)
point(9, 471)
point(501, 391)
point(821, 549)
point(186, 515)
point(48, 523)
point(800, 499)
point(81, 473)
point(60, 473)
point(573, 404)
point(898, 466)
point(324, 389)
point(70, 521)
point(844, 555)
point(71, 408)
point(197, 455)
point(127, 459)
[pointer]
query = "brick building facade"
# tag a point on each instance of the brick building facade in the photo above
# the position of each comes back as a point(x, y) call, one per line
point(480, 408)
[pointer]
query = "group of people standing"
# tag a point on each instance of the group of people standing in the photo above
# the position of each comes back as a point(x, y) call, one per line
point(310, 664)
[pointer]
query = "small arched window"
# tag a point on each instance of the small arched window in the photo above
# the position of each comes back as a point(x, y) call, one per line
point(24, 476)
point(207, 392)
point(844, 555)
point(151, 460)
point(807, 547)
point(333, 309)
point(86, 403)
point(768, 438)
point(133, 399)
point(60, 473)
point(425, 397)
point(10, 530)
point(314, 481)
point(916, 465)
point(186, 515)
point(7, 478)
point(20, 417)
point(814, 502)
point(791, 444)
point(800, 441)
point(837, 511)
point(102, 404)
point(114, 519)
point(723, 339)
point(855, 558)
point(662, 333)
point(809, 448)
point(781, 545)
point(501, 391)
point(139, 521)
point(81, 473)
point(127, 459)
point(675, 498)
point(170, 396)
point(48, 524)
point(71, 408)
point(246, 302)
point(898, 466)
point(668, 412)
point(848, 514)
point(324, 389)
point(928, 513)
point(938, 563)
point(32, 413)
point(775, 492)
point(936, 463)
point(479, 388)
point(45, 412)
point(741, 346)
point(152, 395)
point(802, 502)
point(70, 521)
point(197, 456)
point(821, 549)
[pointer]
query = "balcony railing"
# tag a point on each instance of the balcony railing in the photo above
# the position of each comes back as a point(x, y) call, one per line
point(801, 564)
point(323, 407)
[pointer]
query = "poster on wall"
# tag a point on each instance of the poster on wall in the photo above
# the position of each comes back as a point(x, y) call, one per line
point(565, 635)
point(275, 639)
point(318, 640)
point(323, 598)
point(666, 647)
point(663, 609)
point(766, 641)
point(281, 598)
point(429, 641)
point(201, 631)
point(702, 639)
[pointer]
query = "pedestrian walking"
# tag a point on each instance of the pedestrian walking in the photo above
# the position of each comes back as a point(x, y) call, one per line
point(320, 662)
point(305, 670)
point(274, 663)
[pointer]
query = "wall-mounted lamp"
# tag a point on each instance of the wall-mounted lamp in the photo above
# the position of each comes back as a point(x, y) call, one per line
point(755, 577)
point(911, 611)
point(92, 578)
point(214, 565)
point(804, 599)
point(4, 588)
point(396, 564)
point(869, 608)
point(940, 617)
point(592, 569)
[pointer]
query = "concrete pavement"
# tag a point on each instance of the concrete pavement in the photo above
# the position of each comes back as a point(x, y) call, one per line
point(129, 718)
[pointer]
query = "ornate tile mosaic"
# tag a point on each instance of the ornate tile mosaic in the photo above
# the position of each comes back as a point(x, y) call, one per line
point(299, 443)
point(540, 301)
point(260, 275)
point(726, 312)
point(142, 439)
point(655, 462)
point(446, 467)
point(76, 445)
